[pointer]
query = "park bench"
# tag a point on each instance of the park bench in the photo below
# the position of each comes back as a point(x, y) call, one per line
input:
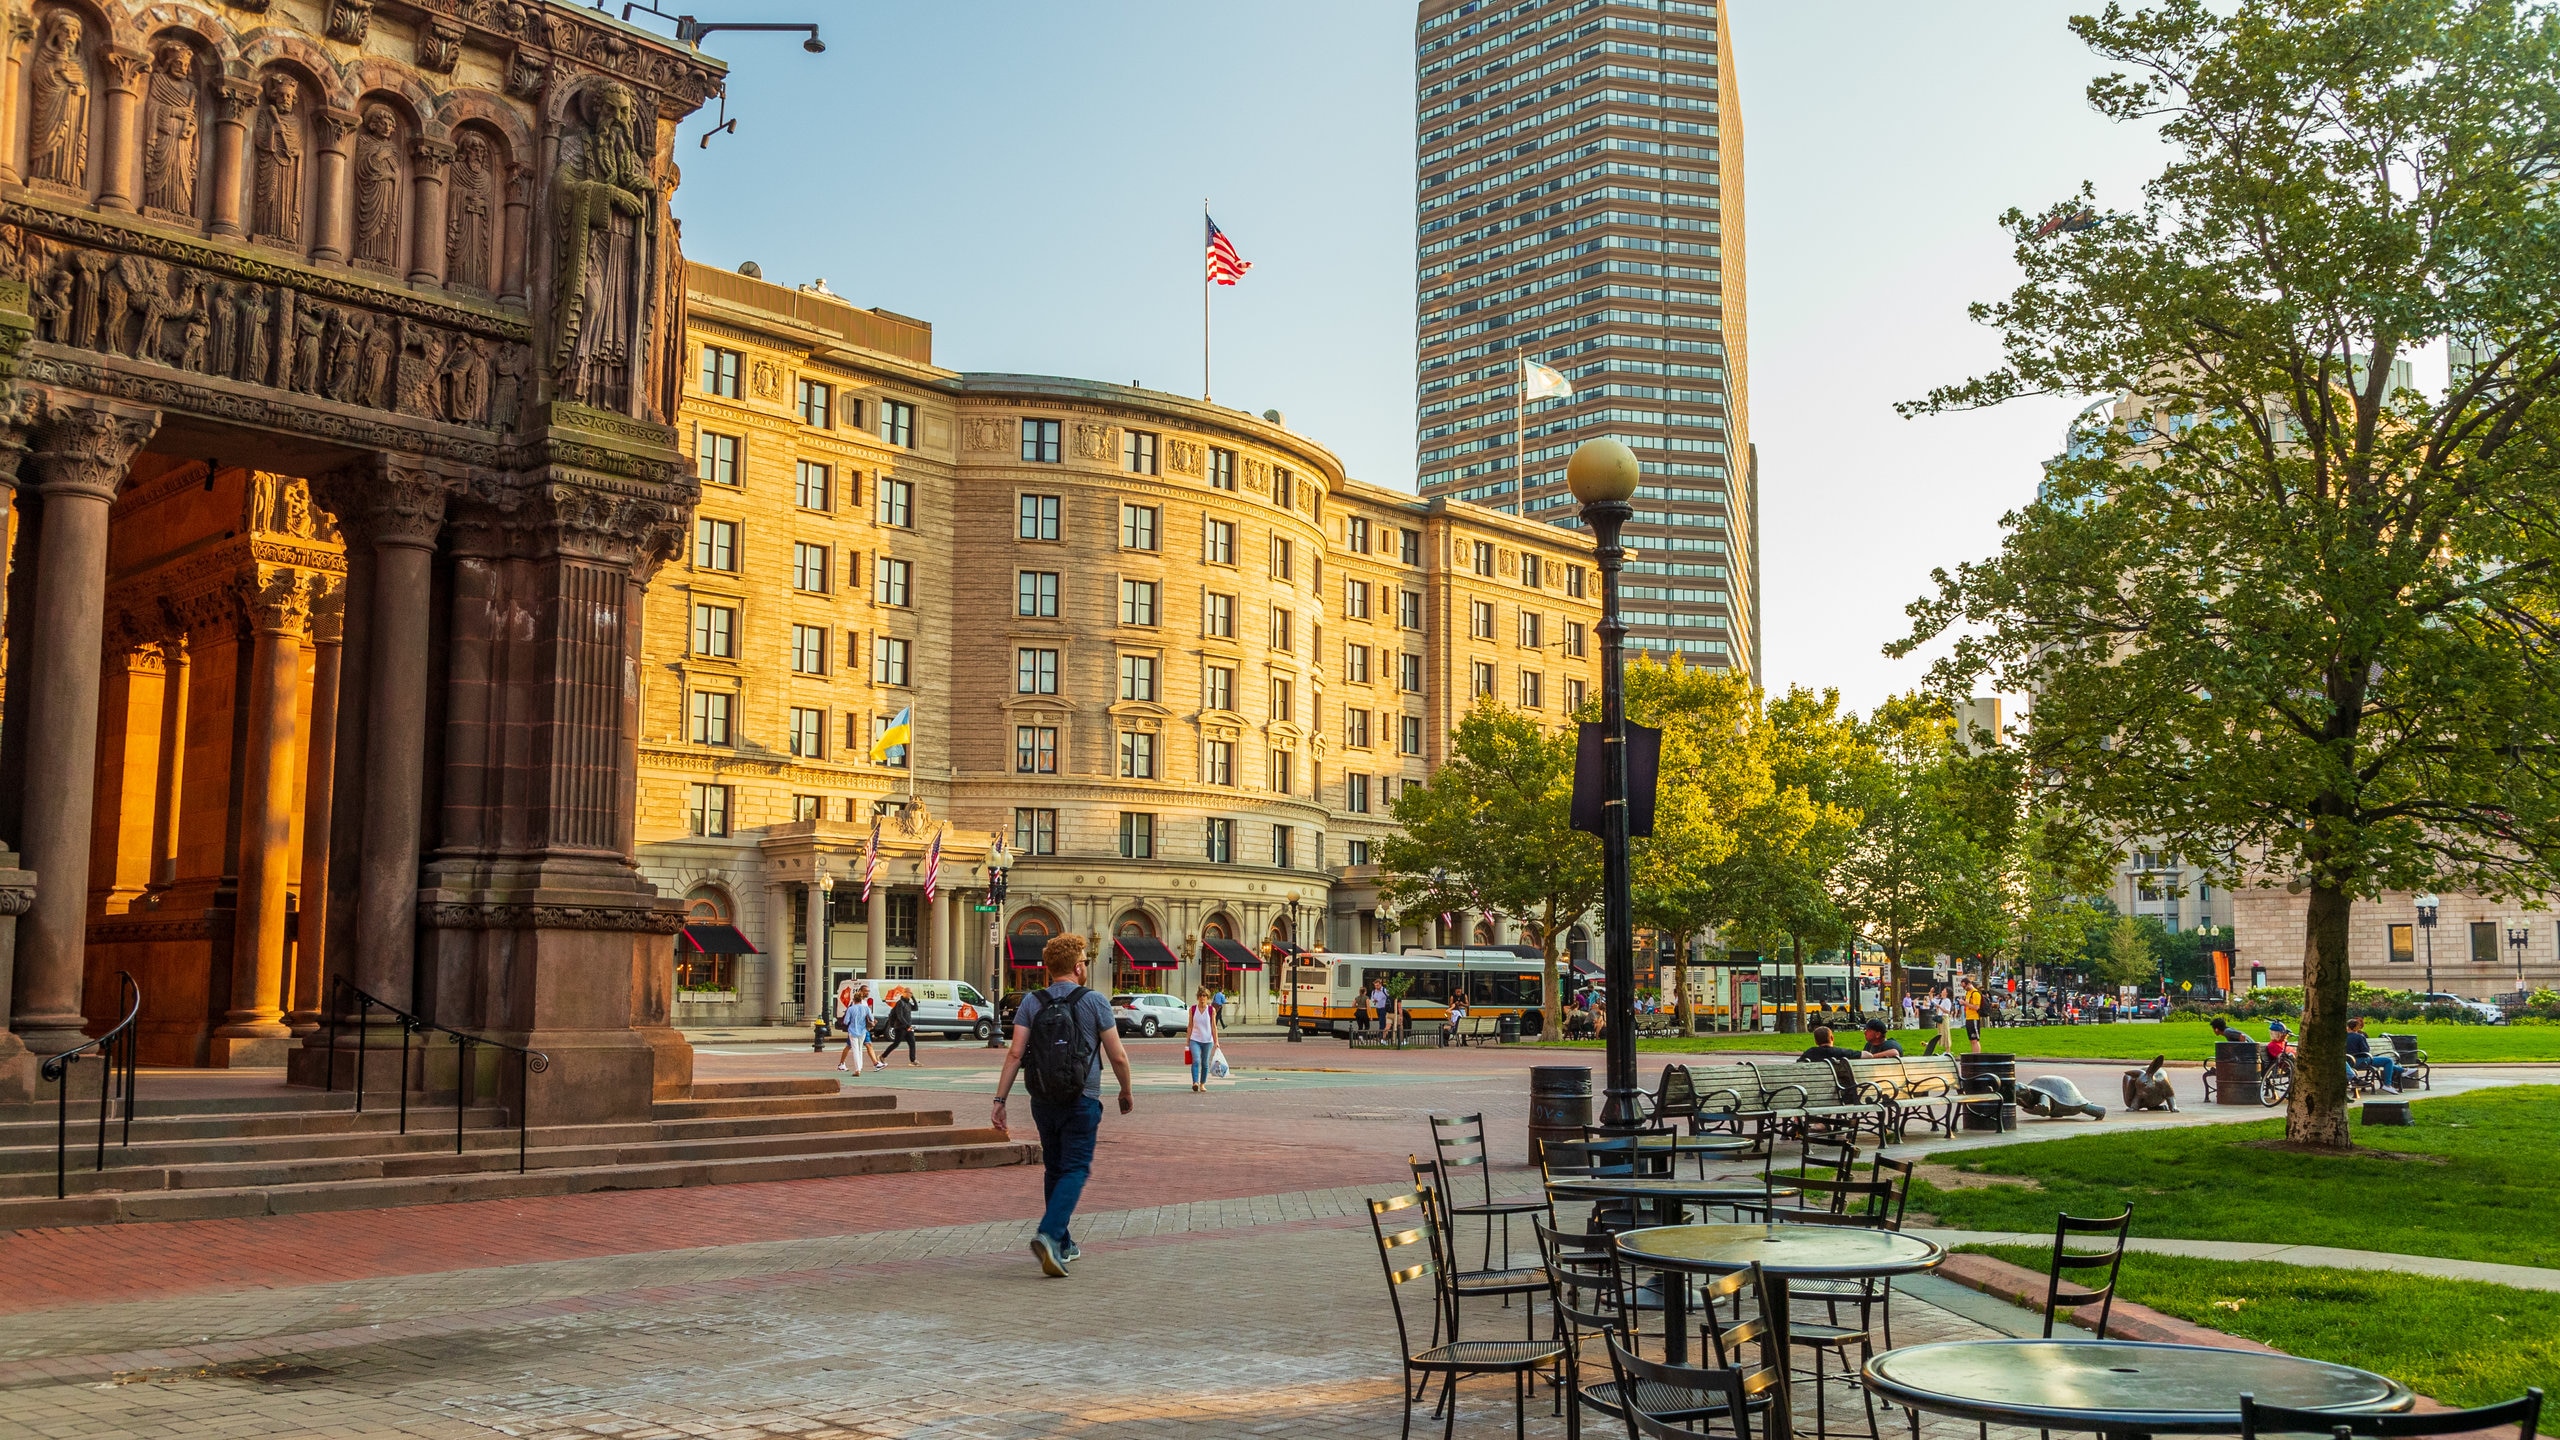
point(1926, 1088)
point(1793, 1098)
point(2413, 1061)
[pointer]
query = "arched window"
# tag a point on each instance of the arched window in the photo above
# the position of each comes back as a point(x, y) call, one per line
point(1032, 928)
point(1135, 922)
point(1218, 927)
point(699, 974)
point(1484, 933)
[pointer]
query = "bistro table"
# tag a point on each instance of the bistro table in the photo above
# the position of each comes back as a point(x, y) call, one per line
point(1785, 1253)
point(1668, 1148)
point(2121, 1388)
point(1669, 1196)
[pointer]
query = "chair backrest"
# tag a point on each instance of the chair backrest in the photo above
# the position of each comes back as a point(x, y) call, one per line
point(1582, 1276)
point(2524, 1412)
point(2080, 1296)
point(1403, 1264)
point(1823, 1201)
point(1899, 1174)
point(1826, 1152)
point(1458, 1143)
point(1654, 1391)
point(1754, 1322)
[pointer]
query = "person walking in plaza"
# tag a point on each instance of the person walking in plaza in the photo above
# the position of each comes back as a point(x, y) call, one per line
point(1061, 1036)
point(858, 1054)
point(1378, 1005)
point(1973, 1016)
point(1359, 1013)
point(902, 1027)
point(1204, 1038)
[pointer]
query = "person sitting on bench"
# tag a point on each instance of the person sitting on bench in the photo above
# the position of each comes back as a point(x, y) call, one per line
point(1822, 1048)
point(2361, 1056)
point(1879, 1043)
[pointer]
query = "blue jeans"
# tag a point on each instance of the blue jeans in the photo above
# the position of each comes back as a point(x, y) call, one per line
point(2389, 1066)
point(1066, 1159)
point(1200, 1061)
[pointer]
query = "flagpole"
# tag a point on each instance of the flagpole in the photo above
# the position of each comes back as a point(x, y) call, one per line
point(1204, 306)
point(1519, 433)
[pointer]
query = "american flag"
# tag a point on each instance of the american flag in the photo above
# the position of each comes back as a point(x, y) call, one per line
point(932, 867)
point(870, 859)
point(1225, 265)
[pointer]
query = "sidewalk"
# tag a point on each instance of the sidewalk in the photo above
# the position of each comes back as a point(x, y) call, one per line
point(2520, 1277)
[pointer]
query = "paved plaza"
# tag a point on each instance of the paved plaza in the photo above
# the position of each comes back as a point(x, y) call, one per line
point(1229, 1287)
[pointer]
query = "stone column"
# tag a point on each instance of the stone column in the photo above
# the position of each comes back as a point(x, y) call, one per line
point(234, 101)
point(17, 1067)
point(943, 968)
point(166, 798)
point(253, 1031)
point(777, 954)
point(408, 514)
point(319, 779)
point(875, 941)
point(426, 251)
point(123, 138)
point(79, 456)
point(818, 960)
point(21, 30)
point(512, 246)
point(336, 207)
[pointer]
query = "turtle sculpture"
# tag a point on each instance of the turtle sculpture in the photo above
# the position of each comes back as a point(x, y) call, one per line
point(2149, 1088)
point(2052, 1098)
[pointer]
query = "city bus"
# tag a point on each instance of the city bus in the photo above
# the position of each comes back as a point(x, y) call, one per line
point(1716, 991)
point(1496, 982)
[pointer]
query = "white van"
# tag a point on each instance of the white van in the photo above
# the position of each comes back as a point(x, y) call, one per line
point(949, 1008)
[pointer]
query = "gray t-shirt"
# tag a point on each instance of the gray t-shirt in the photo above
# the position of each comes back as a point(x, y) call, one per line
point(1096, 1008)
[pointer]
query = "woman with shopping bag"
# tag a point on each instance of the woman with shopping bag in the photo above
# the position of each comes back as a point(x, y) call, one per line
point(1204, 1038)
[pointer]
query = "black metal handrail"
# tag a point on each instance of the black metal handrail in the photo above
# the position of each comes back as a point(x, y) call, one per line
point(117, 1050)
point(528, 1062)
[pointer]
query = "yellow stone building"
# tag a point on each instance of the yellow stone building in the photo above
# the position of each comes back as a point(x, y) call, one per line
point(1162, 658)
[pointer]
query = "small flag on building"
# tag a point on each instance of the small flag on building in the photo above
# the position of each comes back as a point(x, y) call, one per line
point(1226, 267)
point(1539, 381)
point(933, 867)
point(870, 859)
point(898, 734)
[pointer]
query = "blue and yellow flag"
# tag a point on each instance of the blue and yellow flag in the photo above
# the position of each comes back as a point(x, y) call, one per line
point(897, 735)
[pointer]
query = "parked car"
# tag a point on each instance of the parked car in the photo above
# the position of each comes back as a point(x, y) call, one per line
point(949, 1008)
point(1149, 1014)
point(2489, 1014)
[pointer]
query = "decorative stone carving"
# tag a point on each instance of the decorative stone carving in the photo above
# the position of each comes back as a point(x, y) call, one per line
point(281, 505)
point(439, 46)
point(1095, 442)
point(603, 202)
point(984, 433)
point(328, 611)
point(764, 380)
point(1257, 476)
point(377, 187)
point(275, 211)
point(527, 75)
point(1183, 457)
point(169, 125)
point(277, 599)
point(407, 505)
point(58, 102)
point(471, 209)
point(350, 19)
point(83, 448)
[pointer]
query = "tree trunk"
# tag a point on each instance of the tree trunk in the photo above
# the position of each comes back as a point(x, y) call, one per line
point(1552, 1028)
point(2317, 1113)
point(1795, 946)
point(1680, 1002)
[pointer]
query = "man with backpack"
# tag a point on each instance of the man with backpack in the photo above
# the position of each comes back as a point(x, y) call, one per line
point(1061, 1035)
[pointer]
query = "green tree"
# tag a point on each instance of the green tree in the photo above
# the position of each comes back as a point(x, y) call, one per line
point(1784, 878)
point(2127, 957)
point(2278, 605)
point(1492, 829)
point(1714, 790)
point(1913, 879)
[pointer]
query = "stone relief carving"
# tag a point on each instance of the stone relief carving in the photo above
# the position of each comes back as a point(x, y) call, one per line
point(603, 193)
point(169, 122)
point(527, 75)
point(1182, 457)
point(439, 46)
point(276, 193)
point(764, 379)
point(1094, 442)
point(277, 599)
point(58, 101)
point(1257, 476)
point(350, 19)
point(377, 185)
point(281, 505)
point(983, 433)
point(471, 208)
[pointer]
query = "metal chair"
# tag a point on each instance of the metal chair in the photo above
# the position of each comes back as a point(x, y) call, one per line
point(2524, 1412)
point(1573, 1160)
point(2059, 1296)
point(1583, 1281)
point(1502, 1281)
point(1458, 1144)
point(1669, 1400)
point(1518, 1359)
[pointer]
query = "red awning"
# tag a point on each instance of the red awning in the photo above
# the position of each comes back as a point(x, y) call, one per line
point(1236, 954)
point(713, 939)
point(1145, 952)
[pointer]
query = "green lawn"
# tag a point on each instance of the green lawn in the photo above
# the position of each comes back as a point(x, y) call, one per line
point(2459, 1341)
point(2178, 1039)
point(2485, 1192)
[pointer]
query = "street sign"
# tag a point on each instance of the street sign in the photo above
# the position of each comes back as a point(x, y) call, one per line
point(984, 909)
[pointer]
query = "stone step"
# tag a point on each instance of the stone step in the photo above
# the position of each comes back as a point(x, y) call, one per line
point(944, 1149)
point(297, 1099)
point(748, 1089)
point(803, 1104)
point(225, 1124)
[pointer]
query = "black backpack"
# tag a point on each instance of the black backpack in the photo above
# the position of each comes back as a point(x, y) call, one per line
point(1059, 1054)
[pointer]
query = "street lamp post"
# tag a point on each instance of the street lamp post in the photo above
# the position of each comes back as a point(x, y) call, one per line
point(1603, 475)
point(2516, 936)
point(1289, 970)
point(2427, 922)
point(998, 857)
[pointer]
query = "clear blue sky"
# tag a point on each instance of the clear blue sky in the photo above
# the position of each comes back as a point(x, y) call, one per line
point(1028, 177)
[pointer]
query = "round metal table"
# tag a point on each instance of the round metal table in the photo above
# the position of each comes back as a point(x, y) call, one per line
point(1785, 1253)
point(2119, 1387)
point(1666, 1150)
point(1668, 1195)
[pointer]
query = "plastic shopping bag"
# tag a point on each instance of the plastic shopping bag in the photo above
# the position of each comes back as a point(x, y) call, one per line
point(1217, 1063)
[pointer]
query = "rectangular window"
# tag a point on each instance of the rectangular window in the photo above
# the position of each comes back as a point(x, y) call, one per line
point(898, 423)
point(715, 458)
point(1035, 749)
point(808, 807)
point(1355, 794)
point(897, 503)
point(1138, 602)
point(1484, 557)
point(1035, 832)
point(1283, 556)
point(1035, 593)
point(1532, 690)
point(1222, 469)
point(817, 403)
point(720, 372)
point(1280, 772)
point(1355, 599)
point(1573, 581)
point(1409, 609)
point(1137, 755)
point(888, 661)
point(1138, 452)
point(809, 649)
point(1284, 697)
point(1040, 441)
point(1409, 546)
point(708, 720)
point(897, 756)
point(1483, 670)
point(1573, 643)
point(1137, 677)
point(815, 489)
point(1280, 630)
point(2484, 942)
point(1035, 672)
point(1409, 674)
point(1573, 695)
point(1355, 729)
point(1219, 618)
point(902, 917)
point(715, 544)
point(809, 568)
point(1533, 630)
point(1138, 527)
point(1530, 566)
point(808, 733)
point(1355, 852)
point(1480, 619)
point(2404, 944)
point(1280, 844)
point(707, 810)
point(893, 581)
point(1355, 535)
point(1355, 664)
point(1219, 692)
point(1218, 545)
point(853, 570)
point(1137, 836)
point(1222, 842)
point(1218, 763)
point(715, 631)
point(1411, 738)
point(1039, 518)
point(1284, 489)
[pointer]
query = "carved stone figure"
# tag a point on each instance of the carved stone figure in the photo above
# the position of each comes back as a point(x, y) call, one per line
point(507, 392)
point(465, 381)
point(346, 356)
point(169, 154)
point(604, 189)
point(378, 187)
point(276, 195)
point(471, 207)
point(421, 351)
point(220, 309)
point(309, 324)
point(153, 303)
point(132, 278)
point(379, 348)
point(51, 298)
point(88, 311)
point(254, 308)
point(58, 102)
point(191, 341)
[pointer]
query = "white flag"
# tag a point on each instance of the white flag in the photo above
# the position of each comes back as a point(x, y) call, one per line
point(1539, 381)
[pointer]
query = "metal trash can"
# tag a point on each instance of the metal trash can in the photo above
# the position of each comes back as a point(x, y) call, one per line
point(2002, 1071)
point(2235, 1072)
point(1559, 1105)
point(1508, 1027)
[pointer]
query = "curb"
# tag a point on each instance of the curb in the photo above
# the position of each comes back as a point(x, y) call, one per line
point(2025, 1289)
